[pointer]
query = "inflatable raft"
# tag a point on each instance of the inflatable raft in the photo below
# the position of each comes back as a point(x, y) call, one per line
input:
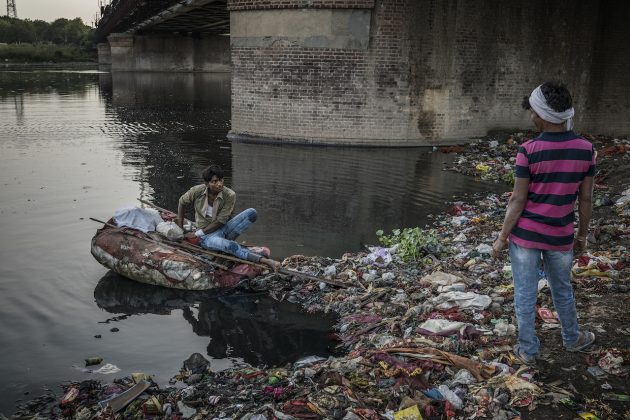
point(144, 258)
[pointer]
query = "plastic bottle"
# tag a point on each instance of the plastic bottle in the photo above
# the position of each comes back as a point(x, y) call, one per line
point(90, 361)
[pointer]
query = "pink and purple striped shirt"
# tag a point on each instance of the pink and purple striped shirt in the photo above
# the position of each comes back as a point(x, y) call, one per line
point(556, 164)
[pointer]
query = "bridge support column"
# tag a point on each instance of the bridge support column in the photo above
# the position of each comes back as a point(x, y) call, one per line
point(335, 73)
point(212, 54)
point(104, 53)
point(167, 52)
point(420, 72)
point(121, 52)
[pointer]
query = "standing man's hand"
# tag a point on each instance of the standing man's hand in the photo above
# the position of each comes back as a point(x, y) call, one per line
point(585, 210)
point(579, 244)
point(178, 222)
point(499, 245)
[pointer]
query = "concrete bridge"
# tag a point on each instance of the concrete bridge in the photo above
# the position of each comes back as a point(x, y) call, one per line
point(383, 72)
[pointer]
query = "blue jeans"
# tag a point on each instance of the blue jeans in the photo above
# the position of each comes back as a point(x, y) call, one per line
point(222, 239)
point(525, 271)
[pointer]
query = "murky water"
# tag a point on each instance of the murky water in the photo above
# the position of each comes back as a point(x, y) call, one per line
point(79, 144)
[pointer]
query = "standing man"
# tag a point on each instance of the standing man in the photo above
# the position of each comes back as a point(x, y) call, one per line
point(552, 171)
point(214, 207)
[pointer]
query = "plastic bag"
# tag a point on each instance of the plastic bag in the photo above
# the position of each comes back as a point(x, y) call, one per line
point(144, 220)
point(451, 397)
point(463, 300)
point(170, 230)
point(379, 256)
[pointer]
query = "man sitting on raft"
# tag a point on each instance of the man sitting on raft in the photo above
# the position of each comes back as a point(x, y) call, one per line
point(214, 206)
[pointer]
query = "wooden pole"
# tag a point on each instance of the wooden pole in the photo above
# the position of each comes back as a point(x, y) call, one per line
point(159, 208)
point(290, 272)
point(200, 249)
point(215, 254)
point(163, 244)
point(285, 271)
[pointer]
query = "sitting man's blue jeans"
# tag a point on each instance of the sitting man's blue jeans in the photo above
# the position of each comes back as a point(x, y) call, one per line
point(525, 271)
point(223, 238)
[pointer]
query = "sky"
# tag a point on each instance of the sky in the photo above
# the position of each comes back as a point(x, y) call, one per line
point(50, 10)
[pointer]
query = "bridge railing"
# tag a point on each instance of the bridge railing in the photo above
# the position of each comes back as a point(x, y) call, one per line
point(122, 15)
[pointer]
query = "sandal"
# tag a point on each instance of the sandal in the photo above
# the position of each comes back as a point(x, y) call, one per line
point(585, 340)
point(523, 358)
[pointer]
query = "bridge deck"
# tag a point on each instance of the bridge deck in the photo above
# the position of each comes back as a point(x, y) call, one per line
point(183, 16)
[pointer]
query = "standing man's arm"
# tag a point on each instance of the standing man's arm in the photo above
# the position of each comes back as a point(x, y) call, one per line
point(585, 206)
point(585, 210)
point(514, 209)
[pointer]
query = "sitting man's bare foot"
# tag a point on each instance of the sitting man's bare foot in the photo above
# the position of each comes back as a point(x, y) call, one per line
point(275, 265)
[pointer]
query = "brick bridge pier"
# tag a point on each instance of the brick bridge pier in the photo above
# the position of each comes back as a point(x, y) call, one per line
point(389, 72)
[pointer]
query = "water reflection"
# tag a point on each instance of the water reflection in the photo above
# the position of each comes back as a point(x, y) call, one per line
point(190, 91)
point(22, 82)
point(255, 328)
point(314, 201)
point(16, 85)
point(171, 125)
point(332, 200)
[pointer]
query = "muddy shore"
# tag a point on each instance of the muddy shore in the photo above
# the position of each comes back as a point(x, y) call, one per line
point(409, 338)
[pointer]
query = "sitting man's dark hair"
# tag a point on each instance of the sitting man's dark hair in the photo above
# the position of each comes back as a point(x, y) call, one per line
point(556, 94)
point(211, 171)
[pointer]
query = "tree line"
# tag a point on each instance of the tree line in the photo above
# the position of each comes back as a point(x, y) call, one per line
point(61, 32)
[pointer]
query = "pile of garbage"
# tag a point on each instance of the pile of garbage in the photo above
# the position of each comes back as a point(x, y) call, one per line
point(424, 335)
point(622, 205)
point(492, 158)
point(425, 330)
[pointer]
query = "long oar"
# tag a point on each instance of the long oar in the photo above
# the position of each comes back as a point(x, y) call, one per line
point(203, 250)
point(162, 209)
point(285, 271)
point(216, 254)
point(163, 244)
point(290, 272)
point(158, 208)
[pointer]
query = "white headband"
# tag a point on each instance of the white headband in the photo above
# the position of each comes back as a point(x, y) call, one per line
point(539, 105)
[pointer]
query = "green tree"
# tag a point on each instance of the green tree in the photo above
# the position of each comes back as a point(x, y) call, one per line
point(29, 40)
point(24, 31)
point(76, 32)
point(41, 27)
point(57, 32)
point(16, 30)
point(5, 29)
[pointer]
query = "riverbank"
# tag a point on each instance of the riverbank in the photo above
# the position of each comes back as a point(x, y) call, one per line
point(412, 340)
point(73, 65)
point(45, 54)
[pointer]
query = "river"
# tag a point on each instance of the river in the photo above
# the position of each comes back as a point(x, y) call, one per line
point(80, 143)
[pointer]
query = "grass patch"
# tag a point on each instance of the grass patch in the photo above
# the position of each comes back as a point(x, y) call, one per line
point(415, 244)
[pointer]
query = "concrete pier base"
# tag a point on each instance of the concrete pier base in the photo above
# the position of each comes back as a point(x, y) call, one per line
point(166, 52)
point(121, 47)
point(104, 54)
